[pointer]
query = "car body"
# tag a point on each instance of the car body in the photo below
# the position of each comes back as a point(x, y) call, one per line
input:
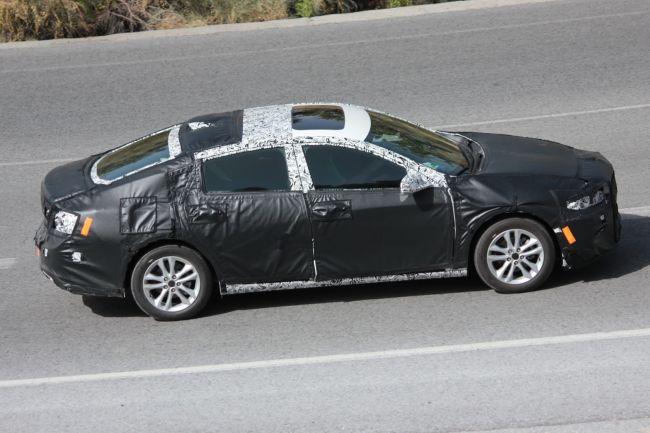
point(306, 195)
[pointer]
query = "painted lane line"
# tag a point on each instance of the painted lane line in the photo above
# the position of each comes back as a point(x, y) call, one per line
point(38, 161)
point(311, 47)
point(641, 210)
point(7, 263)
point(368, 15)
point(330, 359)
point(545, 116)
point(441, 127)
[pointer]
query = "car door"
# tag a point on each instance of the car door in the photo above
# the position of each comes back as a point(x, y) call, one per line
point(247, 216)
point(363, 225)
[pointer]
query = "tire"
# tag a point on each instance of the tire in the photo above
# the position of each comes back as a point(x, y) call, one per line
point(171, 283)
point(508, 270)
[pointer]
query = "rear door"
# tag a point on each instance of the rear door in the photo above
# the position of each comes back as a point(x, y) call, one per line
point(363, 225)
point(247, 215)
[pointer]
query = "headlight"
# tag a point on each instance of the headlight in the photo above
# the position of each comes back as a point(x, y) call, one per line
point(587, 201)
point(64, 222)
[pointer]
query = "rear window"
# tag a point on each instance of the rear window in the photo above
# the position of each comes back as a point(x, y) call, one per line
point(307, 117)
point(135, 156)
point(211, 130)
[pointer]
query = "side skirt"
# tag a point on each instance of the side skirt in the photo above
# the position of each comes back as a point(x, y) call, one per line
point(229, 289)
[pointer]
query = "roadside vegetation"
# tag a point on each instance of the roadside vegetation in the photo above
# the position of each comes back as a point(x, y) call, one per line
point(48, 19)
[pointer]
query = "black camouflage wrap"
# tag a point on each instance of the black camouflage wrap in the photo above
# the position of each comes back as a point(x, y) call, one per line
point(276, 240)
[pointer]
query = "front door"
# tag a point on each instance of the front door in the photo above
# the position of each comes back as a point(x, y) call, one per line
point(363, 225)
point(245, 214)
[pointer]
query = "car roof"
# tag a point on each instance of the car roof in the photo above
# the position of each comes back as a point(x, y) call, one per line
point(274, 123)
point(204, 132)
point(277, 121)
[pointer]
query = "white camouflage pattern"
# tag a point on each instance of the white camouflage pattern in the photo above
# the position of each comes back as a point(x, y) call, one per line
point(174, 142)
point(434, 177)
point(263, 124)
point(198, 125)
point(264, 287)
point(268, 127)
point(297, 178)
point(302, 169)
point(65, 222)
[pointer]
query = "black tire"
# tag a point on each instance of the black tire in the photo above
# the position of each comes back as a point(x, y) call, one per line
point(175, 291)
point(496, 238)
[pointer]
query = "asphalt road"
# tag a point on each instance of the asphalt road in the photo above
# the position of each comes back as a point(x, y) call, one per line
point(575, 71)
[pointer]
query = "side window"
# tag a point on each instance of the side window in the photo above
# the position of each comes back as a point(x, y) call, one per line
point(341, 167)
point(258, 170)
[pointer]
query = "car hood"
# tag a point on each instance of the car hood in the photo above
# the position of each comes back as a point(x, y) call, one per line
point(66, 180)
point(522, 155)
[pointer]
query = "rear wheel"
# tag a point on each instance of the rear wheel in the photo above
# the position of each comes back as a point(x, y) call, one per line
point(514, 255)
point(171, 283)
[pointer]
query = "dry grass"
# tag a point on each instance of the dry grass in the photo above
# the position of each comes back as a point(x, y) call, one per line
point(248, 11)
point(20, 20)
point(46, 19)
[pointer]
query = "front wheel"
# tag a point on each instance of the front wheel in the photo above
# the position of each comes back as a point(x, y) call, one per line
point(514, 255)
point(171, 283)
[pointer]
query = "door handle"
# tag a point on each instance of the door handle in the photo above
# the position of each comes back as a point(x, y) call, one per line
point(334, 209)
point(323, 210)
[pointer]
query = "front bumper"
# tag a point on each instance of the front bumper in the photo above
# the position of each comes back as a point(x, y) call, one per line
point(76, 275)
point(594, 231)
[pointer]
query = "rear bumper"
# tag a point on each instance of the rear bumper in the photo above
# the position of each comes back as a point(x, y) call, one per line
point(76, 275)
point(78, 287)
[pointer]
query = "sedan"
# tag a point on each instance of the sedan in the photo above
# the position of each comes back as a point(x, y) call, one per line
point(307, 195)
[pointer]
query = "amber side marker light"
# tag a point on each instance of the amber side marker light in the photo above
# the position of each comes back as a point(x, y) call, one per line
point(85, 229)
point(568, 235)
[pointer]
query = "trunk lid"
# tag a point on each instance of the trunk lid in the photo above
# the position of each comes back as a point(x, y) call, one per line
point(66, 181)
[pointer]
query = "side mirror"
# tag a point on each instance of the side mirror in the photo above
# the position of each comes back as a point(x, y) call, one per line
point(415, 181)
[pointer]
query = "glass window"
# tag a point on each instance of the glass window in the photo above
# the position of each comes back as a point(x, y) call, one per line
point(421, 145)
point(134, 156)
point(258, 170)
point(341, 167)
point(307, 117)
point(211, 130)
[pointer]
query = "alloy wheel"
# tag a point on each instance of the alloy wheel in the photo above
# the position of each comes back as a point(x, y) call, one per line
point(515, 256)
point(171, 284)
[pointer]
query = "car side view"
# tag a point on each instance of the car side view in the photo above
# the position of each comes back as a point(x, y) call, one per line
point(306, 195)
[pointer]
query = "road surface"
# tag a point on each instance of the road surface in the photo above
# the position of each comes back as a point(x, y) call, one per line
point(438, 356)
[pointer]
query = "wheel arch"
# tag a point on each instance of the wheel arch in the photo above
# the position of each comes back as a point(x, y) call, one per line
point(144, 249)
point(503, 216)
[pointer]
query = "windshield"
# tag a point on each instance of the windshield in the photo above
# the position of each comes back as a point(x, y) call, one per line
point(134, 156)
point(421, 145)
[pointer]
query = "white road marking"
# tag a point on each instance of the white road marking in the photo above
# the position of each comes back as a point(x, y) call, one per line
point(368, 15)
point(545, 116)
point(330, 359)
point(37, 161)
point(7, 263)
point(636, 210)
point(312, 47)
point(441, 127)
